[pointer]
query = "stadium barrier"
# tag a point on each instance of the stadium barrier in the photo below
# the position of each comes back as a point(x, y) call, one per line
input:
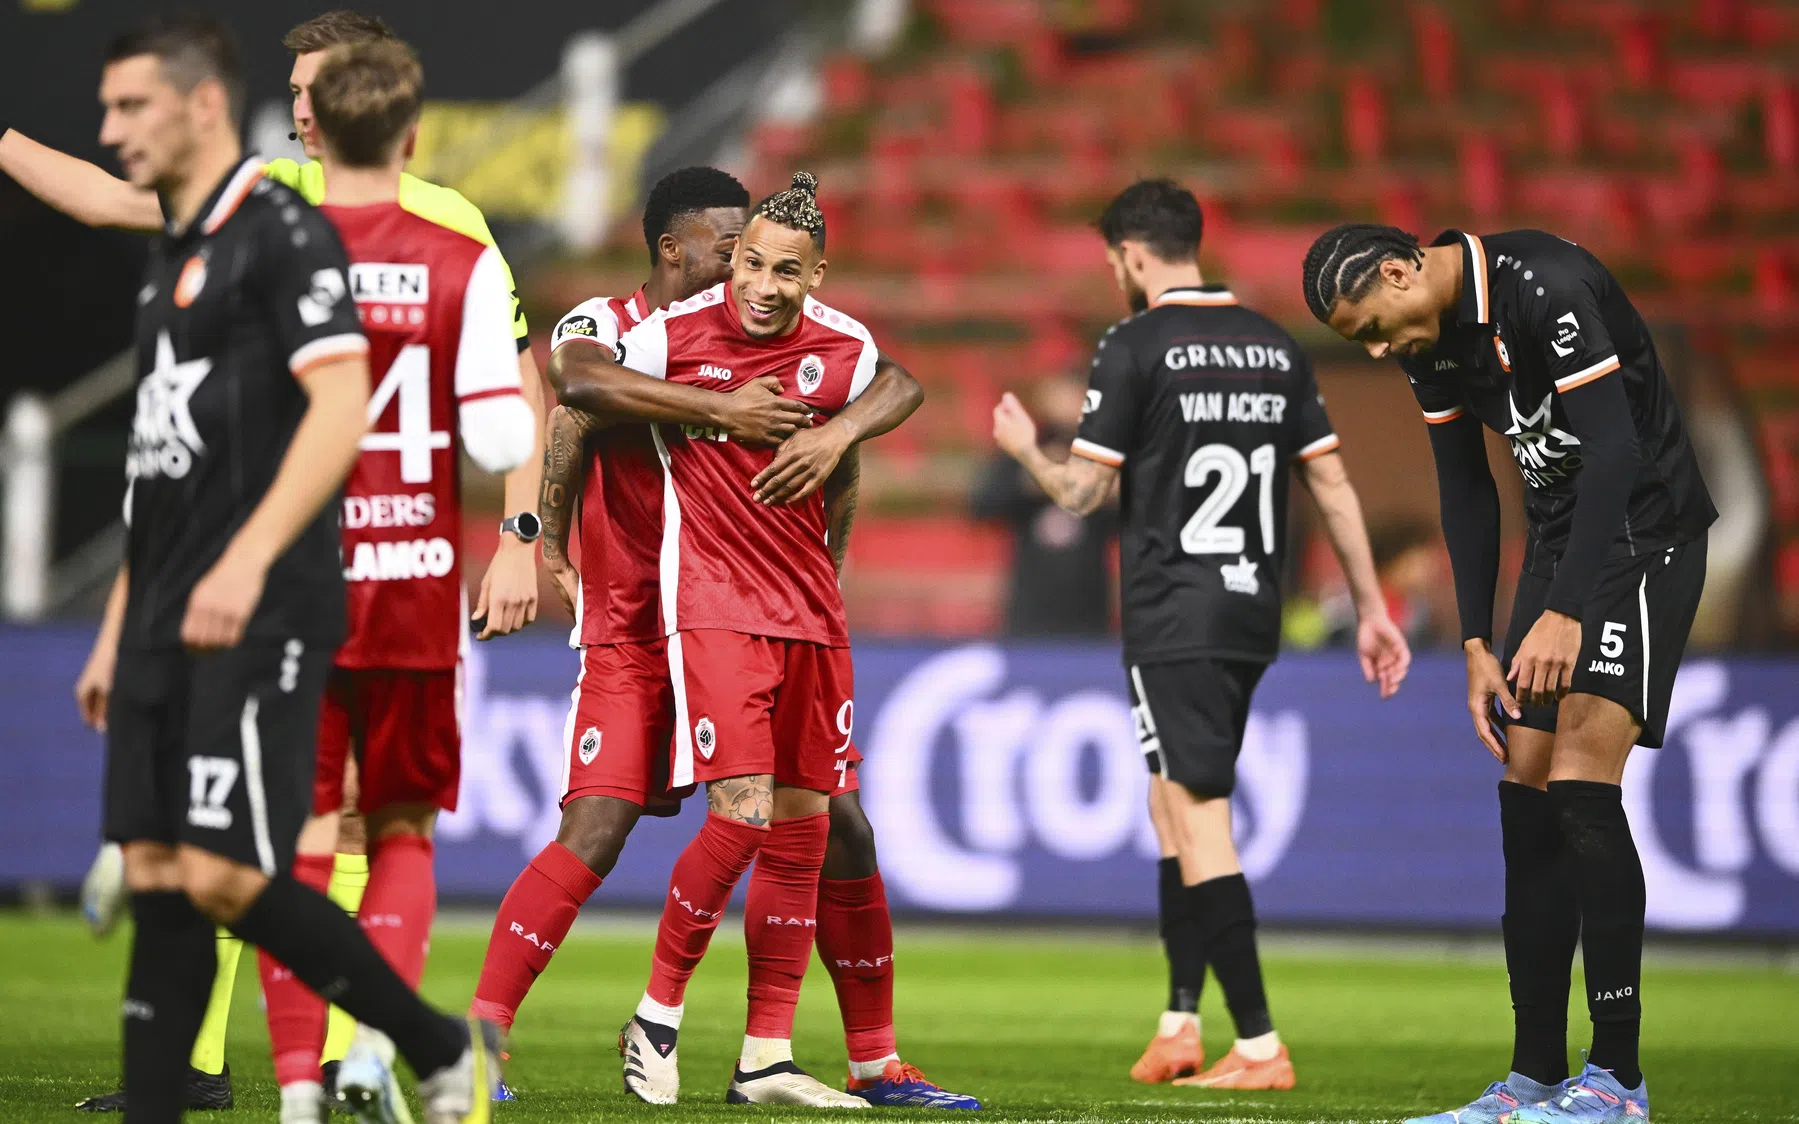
point(1005, 781)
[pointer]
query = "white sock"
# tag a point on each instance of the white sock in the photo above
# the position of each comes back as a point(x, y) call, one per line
point(1173, 1022)
point(651, 1011)
point(871, 1071)
point(760, 1053)
point(301, 1101)
point(1261, 1048)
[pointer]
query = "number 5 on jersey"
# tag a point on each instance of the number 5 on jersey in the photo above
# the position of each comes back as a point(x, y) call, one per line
point(409, 380)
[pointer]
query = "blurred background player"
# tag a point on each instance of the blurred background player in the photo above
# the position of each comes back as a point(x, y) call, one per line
point(1531, 336)
point(437, 310)
point(1196, 409)
point(230, 601)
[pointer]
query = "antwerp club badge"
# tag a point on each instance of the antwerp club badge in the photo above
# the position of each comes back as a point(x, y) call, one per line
point(812, 373)
point(705, 738)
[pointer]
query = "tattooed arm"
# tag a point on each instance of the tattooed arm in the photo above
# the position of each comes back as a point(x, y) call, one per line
point(562, 467)
point(842, 489)
point(749, 800)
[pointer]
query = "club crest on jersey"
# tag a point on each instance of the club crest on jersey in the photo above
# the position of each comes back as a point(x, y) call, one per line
point(1505, 357)
point(812, 373)
point(1240, 576)
point(705, 737)
point(590, 746)
point(191, 281)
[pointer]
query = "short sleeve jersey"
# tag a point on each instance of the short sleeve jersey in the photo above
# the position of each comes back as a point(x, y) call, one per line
point(620, 530)
point(444, 206)
point(1202, 404)
point(234, 311)
point(437, 312)
point(727, 561)
point(1540, 316)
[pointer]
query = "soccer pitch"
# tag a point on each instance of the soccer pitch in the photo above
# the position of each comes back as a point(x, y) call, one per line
point(1043, 1026)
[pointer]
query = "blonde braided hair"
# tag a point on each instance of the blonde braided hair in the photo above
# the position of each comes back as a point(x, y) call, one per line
point(797, 208)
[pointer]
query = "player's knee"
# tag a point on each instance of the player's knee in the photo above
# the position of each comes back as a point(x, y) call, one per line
point(151, 868)
point(219, 888)
point(400, 819)
point(318, 836)
point(352, 833)
point(850, 848)
point(594, 829)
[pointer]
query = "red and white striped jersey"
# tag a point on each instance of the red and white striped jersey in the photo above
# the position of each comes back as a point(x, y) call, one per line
point(620, 531)
point(726, 561)
point(438, 315)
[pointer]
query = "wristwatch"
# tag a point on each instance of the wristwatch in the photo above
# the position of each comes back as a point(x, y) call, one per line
point(526, 525)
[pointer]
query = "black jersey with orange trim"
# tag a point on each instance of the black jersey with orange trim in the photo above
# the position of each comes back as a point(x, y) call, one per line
point(1202, 404)
point(1538, 317)
point(233, 312)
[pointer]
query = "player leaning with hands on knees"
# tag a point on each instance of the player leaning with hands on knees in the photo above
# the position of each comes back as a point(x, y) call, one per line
point(1196, 408)
point(252, 395)
point(1532, 337)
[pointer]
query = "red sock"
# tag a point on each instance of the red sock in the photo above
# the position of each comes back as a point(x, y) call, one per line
point(533, 920)
point(399, 903)
point(698, 891)
point(855, 940)
point(296, 1016)
point(780, 921)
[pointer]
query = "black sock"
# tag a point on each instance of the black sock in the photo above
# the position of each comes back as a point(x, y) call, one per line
point(1228, 918)
point(1610, 881)
point(173, 959)
point(323, 946)
point(1541, 926)
point(1182, 941)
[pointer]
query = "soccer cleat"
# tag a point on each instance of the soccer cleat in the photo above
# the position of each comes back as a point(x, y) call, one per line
point(652, 1074)
point(788, 1084)
point(205, 1092)
point(1234, 1071)
point(366, 1086)
point(903, 1086)
point(1496, 1105)
point(303, 1102)
point(103, 891)
point(1169, 1056)
point(463, 1093)
point(1592, 1097)
point(503, 1092)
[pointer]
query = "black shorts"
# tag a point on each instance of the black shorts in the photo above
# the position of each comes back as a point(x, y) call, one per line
point(215, 749)
point(1190, 716)
point(1633, 631)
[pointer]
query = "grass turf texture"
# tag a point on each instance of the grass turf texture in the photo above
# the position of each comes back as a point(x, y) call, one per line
point(1043, 1027)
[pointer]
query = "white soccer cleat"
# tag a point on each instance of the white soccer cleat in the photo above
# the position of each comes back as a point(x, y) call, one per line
point(366, 1086)
point(463, 1093)
point(303, 1102)
point(652, 1075)
point(103, 890)
point(788, 1084)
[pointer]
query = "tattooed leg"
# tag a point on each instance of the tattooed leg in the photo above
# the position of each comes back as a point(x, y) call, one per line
point(749, 800)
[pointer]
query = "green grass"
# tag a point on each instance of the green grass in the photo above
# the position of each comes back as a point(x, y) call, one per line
point(1043, 1026)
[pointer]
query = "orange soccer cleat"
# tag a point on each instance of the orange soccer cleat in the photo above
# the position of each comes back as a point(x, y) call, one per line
point(1170, 1056)
point(1234, 1071)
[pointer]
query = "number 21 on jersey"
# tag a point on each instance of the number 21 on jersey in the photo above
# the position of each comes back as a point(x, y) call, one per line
point(409, 380)
point(1205, 533)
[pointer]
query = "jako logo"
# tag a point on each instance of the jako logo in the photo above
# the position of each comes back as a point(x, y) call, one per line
point(1620, 993)
point(1063, 775)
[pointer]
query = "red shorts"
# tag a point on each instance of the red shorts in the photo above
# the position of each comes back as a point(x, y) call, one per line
point(620, 721)
point(752, 704)
point(406, 727)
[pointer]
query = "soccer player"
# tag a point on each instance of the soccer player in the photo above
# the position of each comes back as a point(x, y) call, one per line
point(253, 387)
point(1195, 410)
point(622, 716)
point(1532, 337)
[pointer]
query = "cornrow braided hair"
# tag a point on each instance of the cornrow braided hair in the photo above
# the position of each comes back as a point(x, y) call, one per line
point(1344, 262)
point(797, 208)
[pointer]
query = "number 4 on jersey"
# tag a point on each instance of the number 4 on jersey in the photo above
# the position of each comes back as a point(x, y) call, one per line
point(409, 379)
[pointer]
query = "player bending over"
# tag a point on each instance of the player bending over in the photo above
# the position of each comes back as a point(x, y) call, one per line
point(1196, 409)
point(1532, 337)
point(252, 398)
point(622, 717)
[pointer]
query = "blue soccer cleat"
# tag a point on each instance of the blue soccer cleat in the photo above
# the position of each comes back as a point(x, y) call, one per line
point(1496, 1105)
point(503, 1092)
point(903, 1086)
point(1594, 1097)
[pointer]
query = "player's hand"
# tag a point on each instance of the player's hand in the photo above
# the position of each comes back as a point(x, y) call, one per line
point(566, 580)
point(801, 465)
point(1384, 654)
point(222, 602)
point(508, 597)
point(1013, 429)
point(757, 415)
point(1543, 668)
point(1486, 682)
point(93, 688)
